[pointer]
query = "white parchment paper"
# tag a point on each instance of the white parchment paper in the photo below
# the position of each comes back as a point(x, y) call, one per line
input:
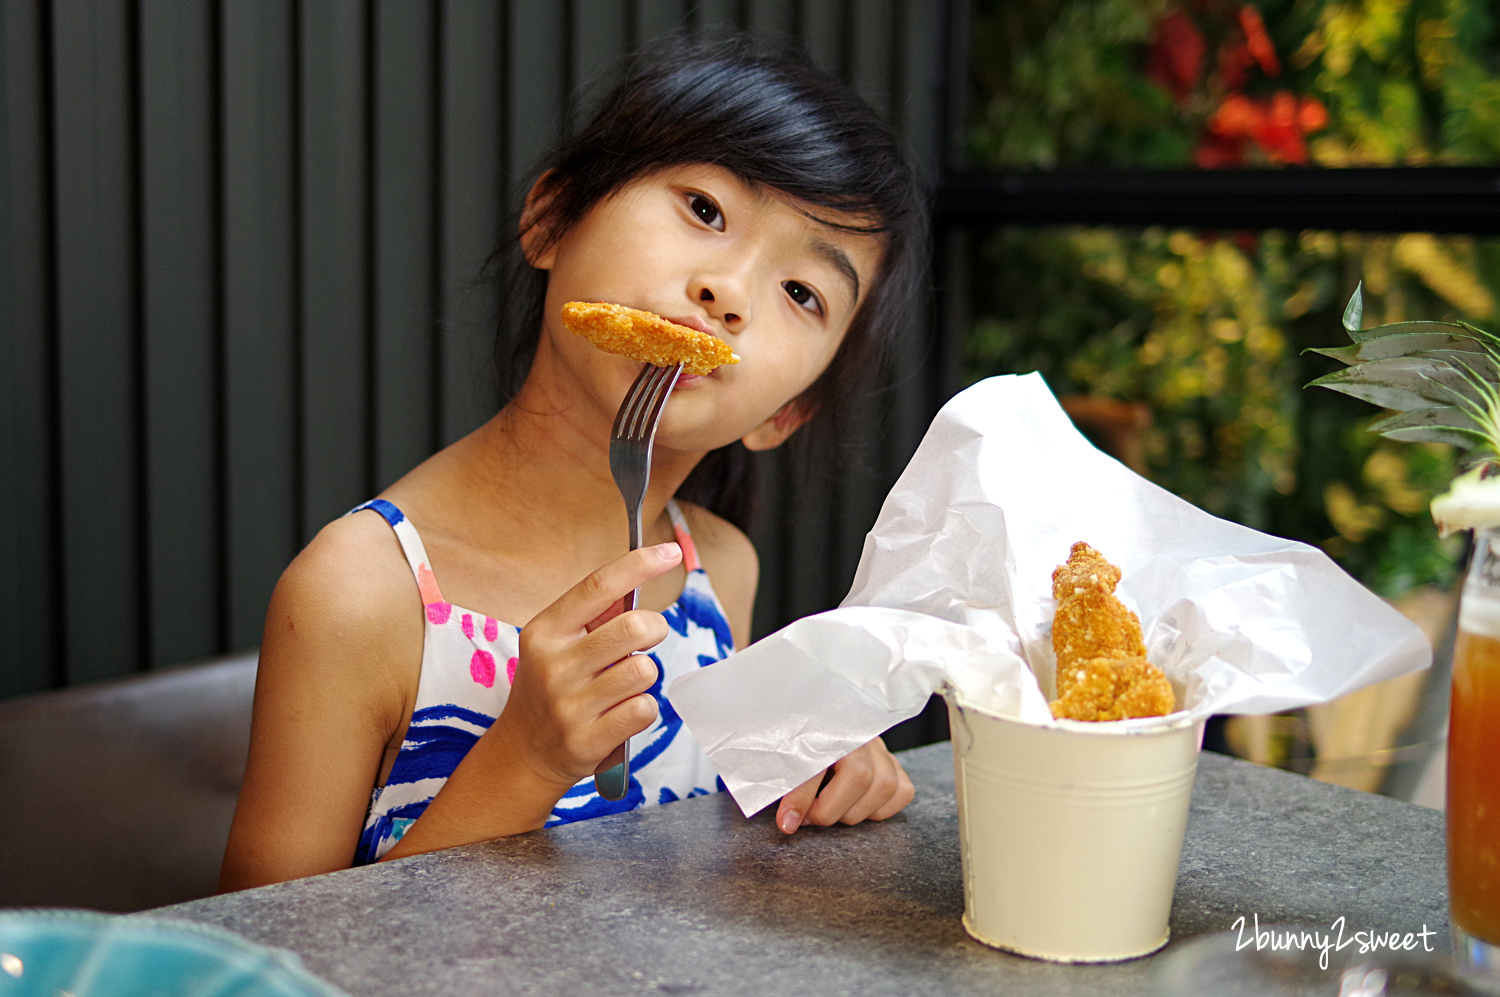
point(954, 591)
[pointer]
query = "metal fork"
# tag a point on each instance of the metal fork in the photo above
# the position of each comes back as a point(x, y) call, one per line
point(630, 463)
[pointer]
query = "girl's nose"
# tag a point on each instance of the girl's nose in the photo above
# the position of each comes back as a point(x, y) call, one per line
point(725, 305)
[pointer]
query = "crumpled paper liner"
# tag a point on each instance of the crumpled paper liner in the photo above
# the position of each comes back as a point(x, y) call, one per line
point(954, 592)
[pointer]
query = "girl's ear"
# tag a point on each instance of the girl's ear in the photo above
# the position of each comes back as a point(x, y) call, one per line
point(774, 431)
point(533, 233)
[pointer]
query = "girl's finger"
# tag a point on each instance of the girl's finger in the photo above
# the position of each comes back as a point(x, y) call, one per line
point(626, 719)
point(585, 602)
point(792, 812)
point(615, 609)
point(905, 793)
point(851, 781)
point(883, 786)
point(612, 759)
point(630, 676)
point(637, 630)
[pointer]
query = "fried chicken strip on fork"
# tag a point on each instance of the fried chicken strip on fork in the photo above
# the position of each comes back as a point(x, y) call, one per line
point(646, 336)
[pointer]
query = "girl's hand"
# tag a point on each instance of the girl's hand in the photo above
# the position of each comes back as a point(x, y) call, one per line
point(867, 784)
point(580, 691)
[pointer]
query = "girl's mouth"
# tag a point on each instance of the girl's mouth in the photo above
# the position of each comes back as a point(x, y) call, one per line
point(699, 324)
point(692, 322)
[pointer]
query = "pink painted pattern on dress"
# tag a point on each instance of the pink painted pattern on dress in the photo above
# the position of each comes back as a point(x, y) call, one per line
point(427, 586)
point(689, 549)
point(438, 612)
point(468, 625)
point(482, 668)
point(491, 630)
point(510, 671)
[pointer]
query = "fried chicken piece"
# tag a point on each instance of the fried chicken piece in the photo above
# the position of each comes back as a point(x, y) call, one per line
point(1090, 621)
point(1112, 689)
point(645, 336)
point(1102, 671)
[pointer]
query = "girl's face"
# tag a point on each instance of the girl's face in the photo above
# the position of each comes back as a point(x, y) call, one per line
point(696, 245)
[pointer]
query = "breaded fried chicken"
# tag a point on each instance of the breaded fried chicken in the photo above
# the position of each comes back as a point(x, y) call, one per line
point(645, 336)
point(1090, 621)
point(1112, 689)
point(1102, 671)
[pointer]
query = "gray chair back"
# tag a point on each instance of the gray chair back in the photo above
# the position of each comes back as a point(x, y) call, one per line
point(118, 796)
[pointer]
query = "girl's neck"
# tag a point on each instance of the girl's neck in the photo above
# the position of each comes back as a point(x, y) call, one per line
point(540, 468)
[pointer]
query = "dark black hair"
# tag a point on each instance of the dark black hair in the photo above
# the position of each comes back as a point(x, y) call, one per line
point(773, 122)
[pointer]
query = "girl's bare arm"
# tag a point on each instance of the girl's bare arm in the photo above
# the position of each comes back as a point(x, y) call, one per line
point(338, 666)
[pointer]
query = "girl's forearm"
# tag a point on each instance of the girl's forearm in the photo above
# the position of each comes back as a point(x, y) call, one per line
point(493, 793)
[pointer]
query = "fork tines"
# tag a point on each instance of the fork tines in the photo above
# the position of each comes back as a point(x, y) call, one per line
point(637, 417)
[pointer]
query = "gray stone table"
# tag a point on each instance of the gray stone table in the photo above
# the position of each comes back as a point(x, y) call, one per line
point(691, 898)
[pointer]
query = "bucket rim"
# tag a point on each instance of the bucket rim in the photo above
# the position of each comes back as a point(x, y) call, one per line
point(1171, 723)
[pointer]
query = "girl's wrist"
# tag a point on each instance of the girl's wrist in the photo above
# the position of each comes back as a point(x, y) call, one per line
point(515, 745)
point(492, 793)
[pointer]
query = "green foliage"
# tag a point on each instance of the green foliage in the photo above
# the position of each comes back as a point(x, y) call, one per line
point(1060, 83)
point(1209, 333)
point(1208, 329)
point(1069, 82)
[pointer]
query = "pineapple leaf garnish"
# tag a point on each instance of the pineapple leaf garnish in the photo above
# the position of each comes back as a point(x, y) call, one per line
point(1440, 379)
point(1354, 311)
point(1441, 425)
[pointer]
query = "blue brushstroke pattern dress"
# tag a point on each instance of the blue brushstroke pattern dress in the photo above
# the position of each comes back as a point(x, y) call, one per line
point(468, 662)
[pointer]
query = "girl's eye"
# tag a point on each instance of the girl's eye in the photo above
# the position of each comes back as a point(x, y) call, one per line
point(707, 211)
point(803, 295)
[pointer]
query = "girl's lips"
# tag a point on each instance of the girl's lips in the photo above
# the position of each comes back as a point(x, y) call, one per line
point(692, 322)
point(701, 325)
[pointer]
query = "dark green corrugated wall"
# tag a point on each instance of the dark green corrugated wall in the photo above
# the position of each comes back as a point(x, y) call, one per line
point(238, 251)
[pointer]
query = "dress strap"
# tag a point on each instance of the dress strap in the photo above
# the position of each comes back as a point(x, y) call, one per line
point(684, 536)
point(416, 554)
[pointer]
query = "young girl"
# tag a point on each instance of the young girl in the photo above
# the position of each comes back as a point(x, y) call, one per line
point(457, 644)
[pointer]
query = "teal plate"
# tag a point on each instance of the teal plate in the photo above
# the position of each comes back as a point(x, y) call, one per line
point(47, 953)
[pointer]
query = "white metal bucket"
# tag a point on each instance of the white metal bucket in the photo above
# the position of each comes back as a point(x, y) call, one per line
point(1070, 835)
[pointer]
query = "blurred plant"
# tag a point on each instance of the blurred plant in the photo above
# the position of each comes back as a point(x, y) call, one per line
point(1218, 83)
point(1221, 433)
point(1207, 332)
point(1207, 328)
point(1405, 81)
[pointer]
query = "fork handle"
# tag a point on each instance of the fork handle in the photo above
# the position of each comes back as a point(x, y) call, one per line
point(613, 783)
point(635, 544)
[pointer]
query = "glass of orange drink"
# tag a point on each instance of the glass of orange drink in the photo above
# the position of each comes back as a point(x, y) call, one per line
point(1473, 796)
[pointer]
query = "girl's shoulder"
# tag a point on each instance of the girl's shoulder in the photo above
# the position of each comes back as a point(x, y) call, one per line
point(356, 563)
point(347, 610)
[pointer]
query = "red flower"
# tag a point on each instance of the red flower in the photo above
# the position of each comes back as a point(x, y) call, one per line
point(1280, 132)
point(1277, 127)
point(1312, 115)
point(1258, 42)
point(1175, 59)
point(1237, 117)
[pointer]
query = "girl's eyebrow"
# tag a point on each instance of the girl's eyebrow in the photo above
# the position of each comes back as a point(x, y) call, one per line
point(836, 258)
